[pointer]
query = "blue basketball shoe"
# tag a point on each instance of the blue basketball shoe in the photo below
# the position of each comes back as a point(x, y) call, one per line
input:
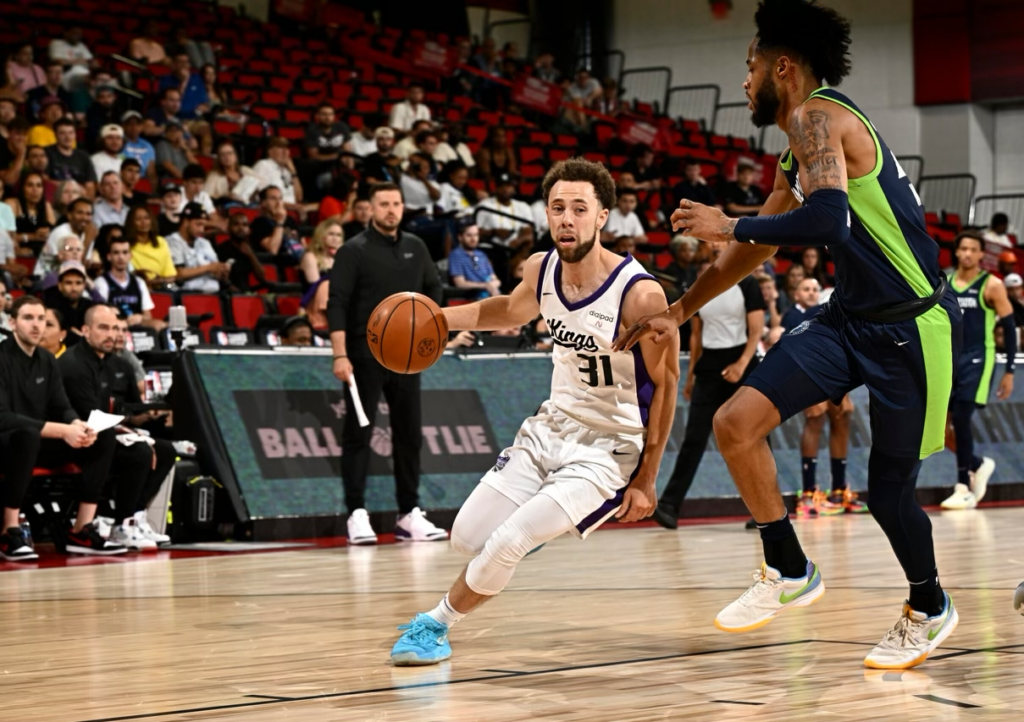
point(423, 641)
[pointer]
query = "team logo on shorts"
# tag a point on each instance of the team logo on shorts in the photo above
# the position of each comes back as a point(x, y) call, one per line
point(800, 329)
point(500, 463)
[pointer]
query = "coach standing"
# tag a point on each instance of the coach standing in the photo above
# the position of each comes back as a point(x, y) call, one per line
point(373, 265)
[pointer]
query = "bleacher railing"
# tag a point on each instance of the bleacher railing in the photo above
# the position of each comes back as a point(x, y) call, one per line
point(950, 193)
point(1012, 204)
point(647, 85)
point(609, 64)
point(733, 119)
point(773, 140)
point(694, 102)
point(913, 166)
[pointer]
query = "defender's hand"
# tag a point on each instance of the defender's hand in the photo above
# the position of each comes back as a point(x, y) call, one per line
point(662, 325)
point(1005, 387)
point(703, 222)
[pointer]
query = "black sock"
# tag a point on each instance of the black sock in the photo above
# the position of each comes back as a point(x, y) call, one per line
point(782, 548)
point(975, 463)
point(927, 596)
point(809, 464)
point(838, 474)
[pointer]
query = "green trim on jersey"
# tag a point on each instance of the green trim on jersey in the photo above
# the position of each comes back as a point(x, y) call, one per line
point(936, 333)
point(787, 160)
point(985, 385)
point(868, 202)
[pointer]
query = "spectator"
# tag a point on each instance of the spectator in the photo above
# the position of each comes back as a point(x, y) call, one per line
point(218, 98)
point(14, 151)
point(230, 181)
point(146, 48)
point(363, 142)
point(496, 157)
point(23, 71)
point(131, 172)
point(170, 207)
point(418, 190)
point(296, 331)
point(137, 147)
point(36, 161)
point(238, 253)
point(70, 297)
point(361, 215)
point(997, 231)
point(1015, 290)
point(195, 192)
point(794, 275)
point(103, 112)
point(9, 87)
point(318, 260)
point(407, 145)
point(773, 320)
point(8, 112)
point(382, 166)
point(5, 306)
point(54, 333)
point(168, 109)
point(51, 87)
point(544, 68)
point(151, 257)
point(1007, 263)
point(110, 155)
point(138, 379)
point(457, 198)
point(35, 418)
point(404, 114)
point(200, 54)
point(693, 187)
point(278, 170)
point(70, 163)
point(173, 153)
point(102, 244)
point(683, 268)
point(326, 135)
point(110, 206)
point(382, 261)
point(51, 110)
point(609, 102)
point(122, 289)
point(7, 222)
point(66, 192)
point(426, 146)
point(79, 225)
point(10, 269)
point(814, 266)
point(33, 215)
point(275, 232)
point(469, 267)
point(75, 56)
point(641, 166)
point(487, 58)
point(450, 146)
point(199, 269)
point(194, 101)
point(514, 232)
point(584, 93)
point(742, 197)
point(622, 220)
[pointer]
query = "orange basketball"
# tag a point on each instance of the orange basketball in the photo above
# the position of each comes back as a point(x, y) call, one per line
point(407, 333)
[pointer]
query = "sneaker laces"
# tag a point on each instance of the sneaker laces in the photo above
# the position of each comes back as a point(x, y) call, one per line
point(761, 586)
point(900, 633)
point(419, 632)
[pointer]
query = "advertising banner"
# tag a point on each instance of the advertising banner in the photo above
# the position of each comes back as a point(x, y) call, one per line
point(434, 57)
point(537, 94)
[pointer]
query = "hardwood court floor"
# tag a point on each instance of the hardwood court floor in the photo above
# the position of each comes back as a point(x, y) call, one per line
point(615, 628)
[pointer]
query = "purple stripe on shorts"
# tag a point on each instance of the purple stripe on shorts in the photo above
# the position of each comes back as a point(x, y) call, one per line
point(602, 511)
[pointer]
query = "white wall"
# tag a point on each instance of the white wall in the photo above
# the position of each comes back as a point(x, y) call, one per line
point(683, 35)
point(1009, 150)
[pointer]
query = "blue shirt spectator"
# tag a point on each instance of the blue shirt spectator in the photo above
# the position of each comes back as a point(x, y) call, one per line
point(469, 267)
point(193, 94)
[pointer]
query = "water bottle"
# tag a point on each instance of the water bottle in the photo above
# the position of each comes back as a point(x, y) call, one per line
point(26, 528)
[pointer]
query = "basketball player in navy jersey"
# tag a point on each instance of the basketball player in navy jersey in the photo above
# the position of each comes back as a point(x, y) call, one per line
point(985, 303)
point(594, 447)
point(891, 323)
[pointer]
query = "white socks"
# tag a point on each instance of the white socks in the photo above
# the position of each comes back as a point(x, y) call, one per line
point(445, 614)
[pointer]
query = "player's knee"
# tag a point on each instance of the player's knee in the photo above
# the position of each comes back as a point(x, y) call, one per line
point(509, 543)
point(732, 426)
point(465, 543)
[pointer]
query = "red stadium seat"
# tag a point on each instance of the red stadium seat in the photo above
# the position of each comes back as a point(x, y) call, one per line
point(201, 304)
point(289, 305)
point(162, 303)
point(246, 310)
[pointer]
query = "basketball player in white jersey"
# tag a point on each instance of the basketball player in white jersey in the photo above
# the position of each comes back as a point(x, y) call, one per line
point(593, 449)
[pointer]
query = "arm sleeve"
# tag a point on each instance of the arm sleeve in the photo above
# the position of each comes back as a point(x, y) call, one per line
point(343, 283)
point(753, 299)
point(823, 220)
point(1009, 341)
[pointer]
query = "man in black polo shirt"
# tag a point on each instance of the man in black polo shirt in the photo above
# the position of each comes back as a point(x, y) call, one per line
point(69, 297)
point(370, 267)
point(240, 254)
point(37, 423)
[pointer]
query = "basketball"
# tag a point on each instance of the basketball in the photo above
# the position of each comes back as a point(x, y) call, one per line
point(407, 333)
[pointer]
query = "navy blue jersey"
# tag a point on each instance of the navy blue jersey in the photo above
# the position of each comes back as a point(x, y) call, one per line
point(797, 315)
point(890, 258)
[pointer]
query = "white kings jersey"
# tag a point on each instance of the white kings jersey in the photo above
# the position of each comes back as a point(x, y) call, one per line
point(602, 389)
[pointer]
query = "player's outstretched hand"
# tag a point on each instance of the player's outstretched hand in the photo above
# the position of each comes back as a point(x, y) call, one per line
point(637, 504)
point(702, 222)
point(660, 326)
point(1005, 387)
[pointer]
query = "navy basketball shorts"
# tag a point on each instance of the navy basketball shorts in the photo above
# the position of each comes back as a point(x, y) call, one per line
point(907, 367)
point(974, 378)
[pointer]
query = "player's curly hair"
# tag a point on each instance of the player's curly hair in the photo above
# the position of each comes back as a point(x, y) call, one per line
point(581, 169)
point(818, 35)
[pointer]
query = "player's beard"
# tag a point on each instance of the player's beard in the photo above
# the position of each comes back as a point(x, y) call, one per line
point(766, 106)
point(576, 253)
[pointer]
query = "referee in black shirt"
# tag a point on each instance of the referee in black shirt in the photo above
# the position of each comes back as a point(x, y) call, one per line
point(375, 264)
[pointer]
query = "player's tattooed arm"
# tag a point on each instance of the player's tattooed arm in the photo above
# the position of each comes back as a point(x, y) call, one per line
point(817, 146)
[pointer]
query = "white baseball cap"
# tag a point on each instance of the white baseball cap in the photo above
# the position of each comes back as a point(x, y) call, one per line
point(1013, 280)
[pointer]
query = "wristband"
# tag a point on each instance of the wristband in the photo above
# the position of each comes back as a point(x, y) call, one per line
point(341, 356)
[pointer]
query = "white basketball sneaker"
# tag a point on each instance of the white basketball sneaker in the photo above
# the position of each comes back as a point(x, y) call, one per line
point(142, 521)
point(961, 498)
point(913, 638)
point(769, 595)
point(359, 530)
point(979, 478)
point(415, 527)
point(1018, 598)
point(128, 535)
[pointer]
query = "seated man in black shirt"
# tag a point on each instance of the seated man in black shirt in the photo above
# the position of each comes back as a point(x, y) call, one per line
point(275, 231)
point(382, 166)
point(361, 214)
point(68, 162)
point(131, 172)
point(742, 198)
point(69, 297)
point(38, 424)
point(693, 187)
point(239, 253)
